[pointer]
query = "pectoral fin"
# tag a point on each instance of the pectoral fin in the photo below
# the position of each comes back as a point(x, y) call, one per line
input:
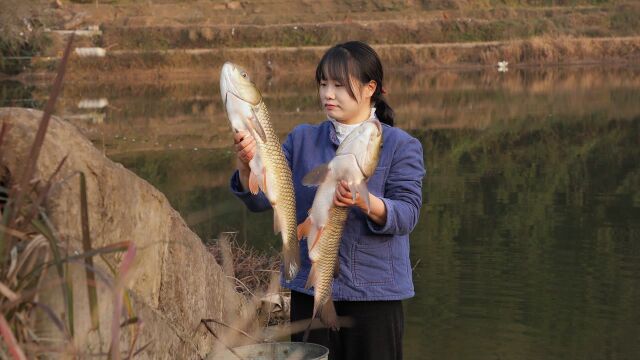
point(253, 183)
point(276, 222)
point(256, 127)
point(362, 189)
point(304, 228)
point(316, 176)
point(354, 191)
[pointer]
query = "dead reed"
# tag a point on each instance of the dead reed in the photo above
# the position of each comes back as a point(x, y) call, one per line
point(252, 270)
point(30, 247)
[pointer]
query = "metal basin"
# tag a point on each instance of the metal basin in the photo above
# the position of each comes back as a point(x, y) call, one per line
point(276, 351)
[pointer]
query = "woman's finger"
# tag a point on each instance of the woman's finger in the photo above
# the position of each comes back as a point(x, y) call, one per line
point(249, 151)
point(338, 202)
point(239, 135)
point(247, 140)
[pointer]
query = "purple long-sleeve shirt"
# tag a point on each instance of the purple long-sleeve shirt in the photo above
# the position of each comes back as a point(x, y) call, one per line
point(374, 259)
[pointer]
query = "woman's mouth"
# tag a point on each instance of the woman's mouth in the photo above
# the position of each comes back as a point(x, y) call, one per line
point(330, 106)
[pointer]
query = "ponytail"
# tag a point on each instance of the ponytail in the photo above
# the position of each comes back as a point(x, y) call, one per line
point(384, 112)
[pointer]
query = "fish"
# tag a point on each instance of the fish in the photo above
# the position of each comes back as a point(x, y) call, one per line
point(270, 171)
point(355, 161)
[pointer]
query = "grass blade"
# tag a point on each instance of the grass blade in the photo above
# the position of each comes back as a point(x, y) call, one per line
point(123, 271)
point(8, 293)
point(86, 246)
point(19, 192)
point(45, 191)
point(52, 315)
point(53, 245)
point(10, 340)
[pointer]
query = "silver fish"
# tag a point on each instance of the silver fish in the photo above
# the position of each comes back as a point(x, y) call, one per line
point(270, 170)
point(355, 161)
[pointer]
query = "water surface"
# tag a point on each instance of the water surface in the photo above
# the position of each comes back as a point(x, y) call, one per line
point(528, 244)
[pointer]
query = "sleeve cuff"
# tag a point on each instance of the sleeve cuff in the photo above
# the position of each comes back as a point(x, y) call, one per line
point(255, 203)
point(388, 225)
point(236, 185)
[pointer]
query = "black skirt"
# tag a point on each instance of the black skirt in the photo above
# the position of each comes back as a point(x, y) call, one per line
point(376, 333)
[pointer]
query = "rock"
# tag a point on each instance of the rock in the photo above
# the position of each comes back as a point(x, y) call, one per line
point(174, 281)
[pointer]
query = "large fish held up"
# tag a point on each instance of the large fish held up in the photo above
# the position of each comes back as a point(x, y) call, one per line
point(355, 161)
point(270, 170)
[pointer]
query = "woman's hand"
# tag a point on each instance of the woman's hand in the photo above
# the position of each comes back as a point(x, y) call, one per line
point(344, 198)
point(245, 148)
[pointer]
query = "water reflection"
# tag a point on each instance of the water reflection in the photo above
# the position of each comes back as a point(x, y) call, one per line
point(528, 244)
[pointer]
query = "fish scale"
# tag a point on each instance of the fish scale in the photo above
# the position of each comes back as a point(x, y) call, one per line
point(329, 245)
point(285, 204)
point(356, 158)
point(269, 169)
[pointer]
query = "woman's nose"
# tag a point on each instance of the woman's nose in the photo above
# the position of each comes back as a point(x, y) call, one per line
point(329, 94)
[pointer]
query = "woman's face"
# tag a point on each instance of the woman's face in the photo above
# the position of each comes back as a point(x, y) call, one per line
point(339, 105)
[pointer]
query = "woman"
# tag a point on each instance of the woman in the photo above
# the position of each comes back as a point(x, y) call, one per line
point(374, 266)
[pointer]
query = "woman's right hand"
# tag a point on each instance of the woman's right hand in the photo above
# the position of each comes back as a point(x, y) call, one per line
point(245, 147)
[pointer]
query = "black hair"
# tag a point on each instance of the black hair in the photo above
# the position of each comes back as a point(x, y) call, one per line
point(356, 60)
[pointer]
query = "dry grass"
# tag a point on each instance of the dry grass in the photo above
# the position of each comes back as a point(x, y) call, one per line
point(252, 270)
point(30, 248)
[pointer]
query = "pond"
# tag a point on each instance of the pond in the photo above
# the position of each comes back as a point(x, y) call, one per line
point(528, 244)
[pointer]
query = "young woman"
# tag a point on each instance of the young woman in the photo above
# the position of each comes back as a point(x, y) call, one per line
point(375, 272)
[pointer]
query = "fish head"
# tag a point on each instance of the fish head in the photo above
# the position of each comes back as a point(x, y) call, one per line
point(235, 81)
point(364, 142)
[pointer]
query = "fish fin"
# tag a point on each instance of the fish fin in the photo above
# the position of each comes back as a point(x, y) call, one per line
point(315, 241)
point(291, 262)
point(264, 180)
point(276, 222)
point(328, 315)
point(363, 190)
point(316, 176)
point(256, 126)
point(311, 278)
point(253, 183)
point(336, 269)
point(304, 228)
point(354, 191)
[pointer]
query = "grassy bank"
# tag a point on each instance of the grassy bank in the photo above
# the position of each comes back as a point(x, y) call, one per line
point(171, 65)
point(497, 24)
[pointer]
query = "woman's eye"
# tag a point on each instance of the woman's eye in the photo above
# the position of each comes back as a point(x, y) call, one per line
point(338, 85)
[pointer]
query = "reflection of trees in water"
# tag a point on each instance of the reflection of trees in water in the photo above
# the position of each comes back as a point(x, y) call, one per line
point(528, 240)
point(190, 113)
point(530, 233)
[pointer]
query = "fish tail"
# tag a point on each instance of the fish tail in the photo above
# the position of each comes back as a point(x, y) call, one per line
point(329, 316)
point(291, 262)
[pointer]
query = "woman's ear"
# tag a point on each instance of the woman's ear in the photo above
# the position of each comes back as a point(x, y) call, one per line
point(370, 88)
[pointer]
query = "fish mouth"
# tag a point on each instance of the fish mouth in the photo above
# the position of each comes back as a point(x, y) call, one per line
point(226, 85)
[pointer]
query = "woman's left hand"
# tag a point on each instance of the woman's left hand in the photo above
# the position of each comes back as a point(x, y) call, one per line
point(344, 198)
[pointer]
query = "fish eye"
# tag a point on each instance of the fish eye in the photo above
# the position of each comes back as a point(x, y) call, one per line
point(244, 74)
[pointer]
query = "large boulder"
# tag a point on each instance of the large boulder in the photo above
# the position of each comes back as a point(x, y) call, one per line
point(174, 281)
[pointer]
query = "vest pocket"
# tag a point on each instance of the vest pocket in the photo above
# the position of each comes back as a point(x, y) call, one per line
point(372, 264)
